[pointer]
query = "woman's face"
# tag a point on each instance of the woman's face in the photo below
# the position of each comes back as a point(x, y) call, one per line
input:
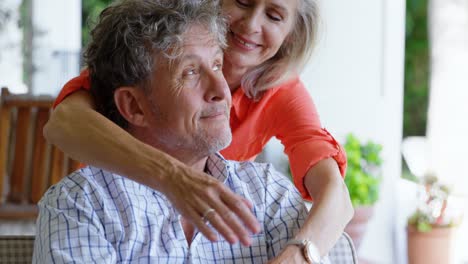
point(257, 29)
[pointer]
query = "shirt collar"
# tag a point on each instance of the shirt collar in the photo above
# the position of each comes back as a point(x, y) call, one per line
point(218, 167)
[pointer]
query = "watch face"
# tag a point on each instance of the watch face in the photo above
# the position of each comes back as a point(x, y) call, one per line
point(307, 255)
point(312, 254)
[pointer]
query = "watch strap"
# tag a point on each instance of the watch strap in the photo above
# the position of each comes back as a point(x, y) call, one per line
point(299, 242)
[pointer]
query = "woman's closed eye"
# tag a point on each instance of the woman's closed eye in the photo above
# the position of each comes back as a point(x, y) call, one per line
point(274, 16)
point(243, 3)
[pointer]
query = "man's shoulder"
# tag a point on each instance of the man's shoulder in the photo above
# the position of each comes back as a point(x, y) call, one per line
point(80, 183)
point(265, 173)
point(269, 186)
point(243, 166)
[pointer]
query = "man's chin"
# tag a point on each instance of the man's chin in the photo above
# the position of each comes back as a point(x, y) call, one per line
point(215, 142)
point(218, 144)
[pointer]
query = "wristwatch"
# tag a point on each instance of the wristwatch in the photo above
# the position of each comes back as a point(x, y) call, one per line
point(309, 250)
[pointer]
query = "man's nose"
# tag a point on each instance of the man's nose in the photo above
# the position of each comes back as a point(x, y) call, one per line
point(216, 88)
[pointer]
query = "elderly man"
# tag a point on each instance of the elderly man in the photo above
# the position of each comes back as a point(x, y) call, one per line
point(156, 71)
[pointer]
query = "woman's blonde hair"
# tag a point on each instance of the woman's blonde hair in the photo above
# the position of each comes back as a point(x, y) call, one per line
point(291, 56)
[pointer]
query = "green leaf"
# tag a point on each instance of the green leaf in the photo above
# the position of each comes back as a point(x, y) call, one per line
point(90, 12)
point(424, 227)
point(363, 186)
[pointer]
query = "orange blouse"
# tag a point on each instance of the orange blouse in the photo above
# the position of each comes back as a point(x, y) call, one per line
point(286, 112)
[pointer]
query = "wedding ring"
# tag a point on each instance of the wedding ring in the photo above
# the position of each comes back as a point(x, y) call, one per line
point(206, 214)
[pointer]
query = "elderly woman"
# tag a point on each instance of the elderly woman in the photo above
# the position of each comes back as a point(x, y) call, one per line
point(268, 43)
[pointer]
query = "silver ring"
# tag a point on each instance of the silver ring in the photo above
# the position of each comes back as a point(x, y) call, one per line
point(206, 213)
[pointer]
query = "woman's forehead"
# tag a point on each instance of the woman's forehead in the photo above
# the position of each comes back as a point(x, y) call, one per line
point(287, 5)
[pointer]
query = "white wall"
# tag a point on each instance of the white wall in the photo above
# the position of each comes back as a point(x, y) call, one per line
point(356, 80)
point(57, 42)
point(448, 108)
point(11, 62)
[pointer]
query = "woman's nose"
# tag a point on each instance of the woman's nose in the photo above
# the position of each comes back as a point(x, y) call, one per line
point(251, 22)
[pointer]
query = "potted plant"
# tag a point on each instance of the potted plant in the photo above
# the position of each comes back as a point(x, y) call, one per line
point(363, 180)
point(431, 227)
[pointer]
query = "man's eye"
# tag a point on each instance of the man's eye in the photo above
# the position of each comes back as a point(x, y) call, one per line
point(218, 67)
point(189, 72)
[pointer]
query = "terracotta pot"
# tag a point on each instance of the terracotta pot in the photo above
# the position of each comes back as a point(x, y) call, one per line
point(433, 247)
point(356, 228)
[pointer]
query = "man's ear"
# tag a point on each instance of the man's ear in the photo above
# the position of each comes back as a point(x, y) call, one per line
point(130, 103)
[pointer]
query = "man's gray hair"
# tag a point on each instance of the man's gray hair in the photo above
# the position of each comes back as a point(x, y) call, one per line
point(128, 35)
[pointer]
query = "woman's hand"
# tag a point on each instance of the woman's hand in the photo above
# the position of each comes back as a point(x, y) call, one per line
point(193, 193)
point(290, 254)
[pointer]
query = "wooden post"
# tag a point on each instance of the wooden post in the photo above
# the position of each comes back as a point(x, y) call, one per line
point(39, 179)
point(18, 176)
point(4, 141)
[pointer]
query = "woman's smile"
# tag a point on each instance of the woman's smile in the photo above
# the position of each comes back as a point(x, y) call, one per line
point(243, 43)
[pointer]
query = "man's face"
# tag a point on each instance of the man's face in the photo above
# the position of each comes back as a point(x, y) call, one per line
point(189, 101)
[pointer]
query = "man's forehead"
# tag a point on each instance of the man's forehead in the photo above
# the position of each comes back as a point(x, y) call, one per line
point(195, 37)
point(197, 43)
point(190, 54)
point(199, 46)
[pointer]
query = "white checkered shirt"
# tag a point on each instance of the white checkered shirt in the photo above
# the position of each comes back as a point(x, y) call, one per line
point(94, 216)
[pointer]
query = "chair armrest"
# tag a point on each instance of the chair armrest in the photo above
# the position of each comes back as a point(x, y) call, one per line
point(343, 251)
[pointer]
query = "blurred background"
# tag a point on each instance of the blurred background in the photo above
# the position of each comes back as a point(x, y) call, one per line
point(391, 72)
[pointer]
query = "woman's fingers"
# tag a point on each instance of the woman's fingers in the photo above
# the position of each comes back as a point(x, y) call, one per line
point(224, 230)
point(226, 221)
point(243, 209)
point(195, 218)
point(240, 207)
point(234, 211)
point(210, 215)
point(233, 222)
point(247, 203)
point(194, 194)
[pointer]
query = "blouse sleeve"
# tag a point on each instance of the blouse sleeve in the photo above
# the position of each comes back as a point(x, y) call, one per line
point(75, 84)
point(296, 124)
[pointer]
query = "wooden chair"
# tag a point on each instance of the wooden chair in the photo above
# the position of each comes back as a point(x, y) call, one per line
point(28, 165)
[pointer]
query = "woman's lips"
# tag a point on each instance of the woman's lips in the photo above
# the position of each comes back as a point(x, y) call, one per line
point(243, 43)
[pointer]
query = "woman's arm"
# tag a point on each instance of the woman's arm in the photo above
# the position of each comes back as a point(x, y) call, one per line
point(317, 164)
point(87, 136)
point(331, 211)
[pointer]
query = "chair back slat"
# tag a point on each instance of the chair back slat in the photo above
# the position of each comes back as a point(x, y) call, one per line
point(73, 165)
point(19, 173)
point(4, 142)
point(57, 166)
point(39, 179)
point(28, 165)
